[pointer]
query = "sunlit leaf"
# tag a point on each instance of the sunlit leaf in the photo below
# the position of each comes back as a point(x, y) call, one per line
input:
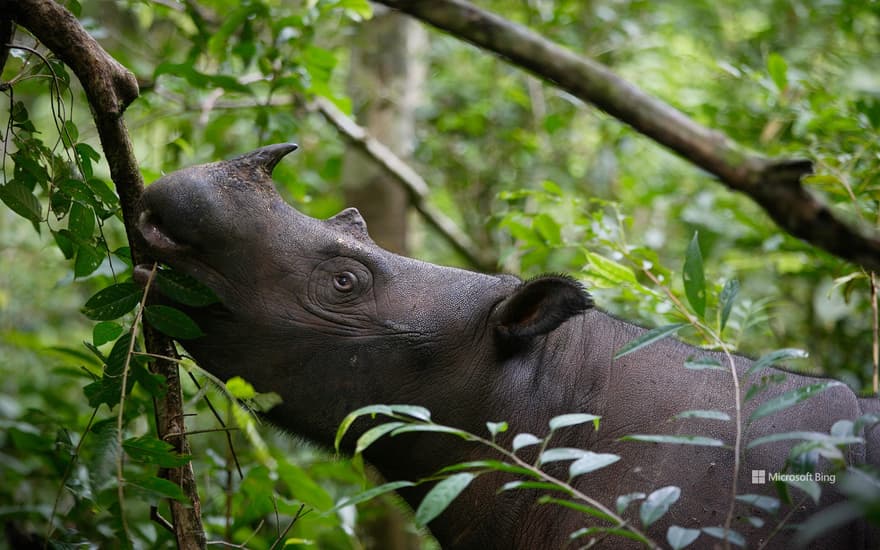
point(623, 501)
point(774, 357)
point(697, 413)
point(591, 462)
point(573, 419)
point(679, 537)
point(524, 440)
point(373, 434)
point(561, 453)
point(649, 338)
point(441, 496)
point(657, 504)
point(790, 398)
point(703, 363)
point(675, 439)
point(732, 536)
point(768, 504)
point(778, 69)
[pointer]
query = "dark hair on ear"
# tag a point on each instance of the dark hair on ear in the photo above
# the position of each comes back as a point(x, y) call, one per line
point(540, 305)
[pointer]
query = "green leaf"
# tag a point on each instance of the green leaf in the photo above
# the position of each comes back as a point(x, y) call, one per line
point(441, 496)
point(768, 504)
point(693, 277)
point(81, 220)
point(112, 302)
point(582, 508)
point(88, 258)
point(240, 388)
point(496, 428)
point(104, 445)
point(774, 357)
point(829, 519)
point(370, 494)
point(561, 453)
point(184, 289)
point(69, 134)
point(590, 462)
point(154, 488)
point(604, 531)
point(676, 439)
point(106, 331)
point(436, 428)
point(303, 487)
point(805, 436)
point(362, 8)
point(536, 485)
point(548, 229)
point(495, 465)
point(574, 419)
point(698, 413)
point(370, 436)
point(414, 411)
point(791, 397)
point(623, 501)
point(778, 69)
point(808, 486)
point(172, 322)
point(730, 535)
point(679, 537)
point(703, 363)
point(726, 300)
point(649, 338)
point(524, 440)
point(609, 270)
point(21, 200)
point(154, 451)
point(658, 503)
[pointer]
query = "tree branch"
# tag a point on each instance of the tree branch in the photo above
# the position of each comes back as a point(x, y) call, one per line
point(773, 183)
point(110, 88)
point(401, 172)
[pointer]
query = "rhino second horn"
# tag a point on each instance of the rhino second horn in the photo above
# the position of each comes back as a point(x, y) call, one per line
point(266, 158)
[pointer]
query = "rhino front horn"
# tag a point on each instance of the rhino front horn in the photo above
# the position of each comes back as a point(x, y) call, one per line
point(265, 158)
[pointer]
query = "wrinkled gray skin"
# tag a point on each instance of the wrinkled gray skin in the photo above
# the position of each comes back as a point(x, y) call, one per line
point(315, 311)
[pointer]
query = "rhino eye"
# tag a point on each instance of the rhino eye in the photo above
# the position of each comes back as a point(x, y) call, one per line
point(344, 282)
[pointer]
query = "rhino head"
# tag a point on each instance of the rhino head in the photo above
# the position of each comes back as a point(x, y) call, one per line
point(315, 311)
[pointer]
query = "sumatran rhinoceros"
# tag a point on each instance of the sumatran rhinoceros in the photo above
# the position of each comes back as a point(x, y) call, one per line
point(315, 311)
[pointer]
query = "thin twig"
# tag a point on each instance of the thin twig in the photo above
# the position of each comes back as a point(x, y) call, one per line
point(120, 487)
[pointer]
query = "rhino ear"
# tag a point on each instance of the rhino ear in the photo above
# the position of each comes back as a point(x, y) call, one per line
point(350, 221)
point(538, 306)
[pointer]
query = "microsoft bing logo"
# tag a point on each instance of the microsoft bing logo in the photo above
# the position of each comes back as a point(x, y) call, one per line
point(759, 477)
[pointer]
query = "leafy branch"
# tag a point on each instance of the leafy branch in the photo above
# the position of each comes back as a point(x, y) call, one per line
point(775, 184)
point(456, 478)
point(110, 88)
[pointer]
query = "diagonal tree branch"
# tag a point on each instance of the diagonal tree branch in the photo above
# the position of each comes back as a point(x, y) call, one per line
point(403, 174)
point(773, 183)
point(110, 88)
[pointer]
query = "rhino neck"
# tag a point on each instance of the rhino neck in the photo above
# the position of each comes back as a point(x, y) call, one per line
point(563, 372)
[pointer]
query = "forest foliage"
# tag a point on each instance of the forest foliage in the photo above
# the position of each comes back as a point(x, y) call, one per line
point(543, 181)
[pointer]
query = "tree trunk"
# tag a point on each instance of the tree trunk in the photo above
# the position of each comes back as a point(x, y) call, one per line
point(386, 80)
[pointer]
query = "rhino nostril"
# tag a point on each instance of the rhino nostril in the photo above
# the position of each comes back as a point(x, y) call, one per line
point(155, 232)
